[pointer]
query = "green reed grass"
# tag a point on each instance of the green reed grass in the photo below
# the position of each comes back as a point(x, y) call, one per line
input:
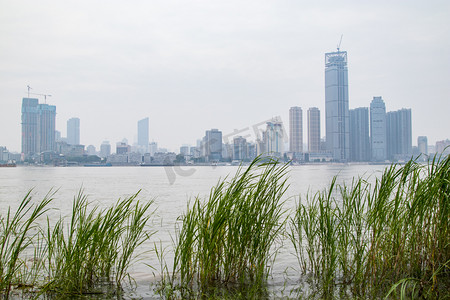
point(228, 239)
point(97, 245)
point(94, 248)
point(370, 239)
point(17, 233)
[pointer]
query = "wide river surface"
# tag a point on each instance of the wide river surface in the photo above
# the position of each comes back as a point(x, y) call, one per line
point(170, 188)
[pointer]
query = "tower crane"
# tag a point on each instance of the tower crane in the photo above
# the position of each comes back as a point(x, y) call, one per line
point(45, 95)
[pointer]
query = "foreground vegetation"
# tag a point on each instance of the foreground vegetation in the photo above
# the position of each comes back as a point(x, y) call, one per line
point(72, 257)
point(370, 240)
point(225, 243)
point(388, 237)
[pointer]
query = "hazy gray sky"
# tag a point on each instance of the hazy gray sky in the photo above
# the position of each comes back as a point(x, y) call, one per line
point(195, 65)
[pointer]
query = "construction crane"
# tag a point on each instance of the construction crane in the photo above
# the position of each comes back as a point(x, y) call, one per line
point(339, 45)
point(29, 88)
point(45, 95)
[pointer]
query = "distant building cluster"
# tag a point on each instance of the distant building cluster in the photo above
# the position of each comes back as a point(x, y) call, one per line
point(363, 134)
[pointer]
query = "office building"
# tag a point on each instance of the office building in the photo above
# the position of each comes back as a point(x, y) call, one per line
point(105, 149)
point(123, 147)
point(336, 105)
point(38, 127)
point(240, 148)
point(212, 144)
point(153, 148)
point(378, 142)
point(313, 130)
point(399, 134)
point(295, 130)
point(422, 144)
point(73, 131)
point(143, 135)
point(273, 139)
point(184, 150)
point(359, 134)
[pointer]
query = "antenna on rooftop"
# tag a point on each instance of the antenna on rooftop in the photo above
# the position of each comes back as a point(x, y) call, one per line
point(29, 88)
point(339, 45)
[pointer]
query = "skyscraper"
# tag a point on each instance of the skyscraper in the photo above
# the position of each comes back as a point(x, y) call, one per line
point(38, 127)
point(273, 138)
point(378, 144)
point(240, 148)
point(213, 145)
point(422, 144)
point(336, 105)
point(105, 149)
point(29, 125)
point(359, 134)
point(73, 131)
point(143, 136)
point(399, 134)
point(296, 129)
point(313, 130)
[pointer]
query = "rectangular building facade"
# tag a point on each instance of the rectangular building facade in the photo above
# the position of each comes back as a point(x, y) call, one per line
point(212, 143)
point(378, 144)
point(38, 127)
point(422, 144)
point(73, 131)
point(337, 119)
point(240, 148)
point(313, 130)
point(143, 135)
point(273, 139)
point(359, 134)
point(296, 129)
point(399, 134)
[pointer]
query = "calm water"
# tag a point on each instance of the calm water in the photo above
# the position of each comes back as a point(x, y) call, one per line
point(171, 193)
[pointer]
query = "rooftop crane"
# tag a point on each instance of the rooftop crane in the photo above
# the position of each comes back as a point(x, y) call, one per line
point(45, 95)
point(29, 88)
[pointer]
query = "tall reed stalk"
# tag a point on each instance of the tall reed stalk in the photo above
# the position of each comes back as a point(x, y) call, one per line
point(228, 239)
point(367, 238)
point(17, 233)
point(95, 247)
point(98, 244)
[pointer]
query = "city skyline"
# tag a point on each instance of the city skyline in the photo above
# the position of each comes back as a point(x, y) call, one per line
point(390, 139)
point(179, 63)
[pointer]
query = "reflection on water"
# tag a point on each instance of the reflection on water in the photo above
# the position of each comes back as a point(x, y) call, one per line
point(105, 185)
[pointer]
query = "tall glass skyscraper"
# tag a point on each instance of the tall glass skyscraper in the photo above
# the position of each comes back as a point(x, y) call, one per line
point(296, 129)
point(38, 127)
point(337, 117)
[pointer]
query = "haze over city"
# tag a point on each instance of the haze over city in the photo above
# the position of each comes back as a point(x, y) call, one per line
point(192, 66)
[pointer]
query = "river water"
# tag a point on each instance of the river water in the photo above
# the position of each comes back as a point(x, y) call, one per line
point(170, 188)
